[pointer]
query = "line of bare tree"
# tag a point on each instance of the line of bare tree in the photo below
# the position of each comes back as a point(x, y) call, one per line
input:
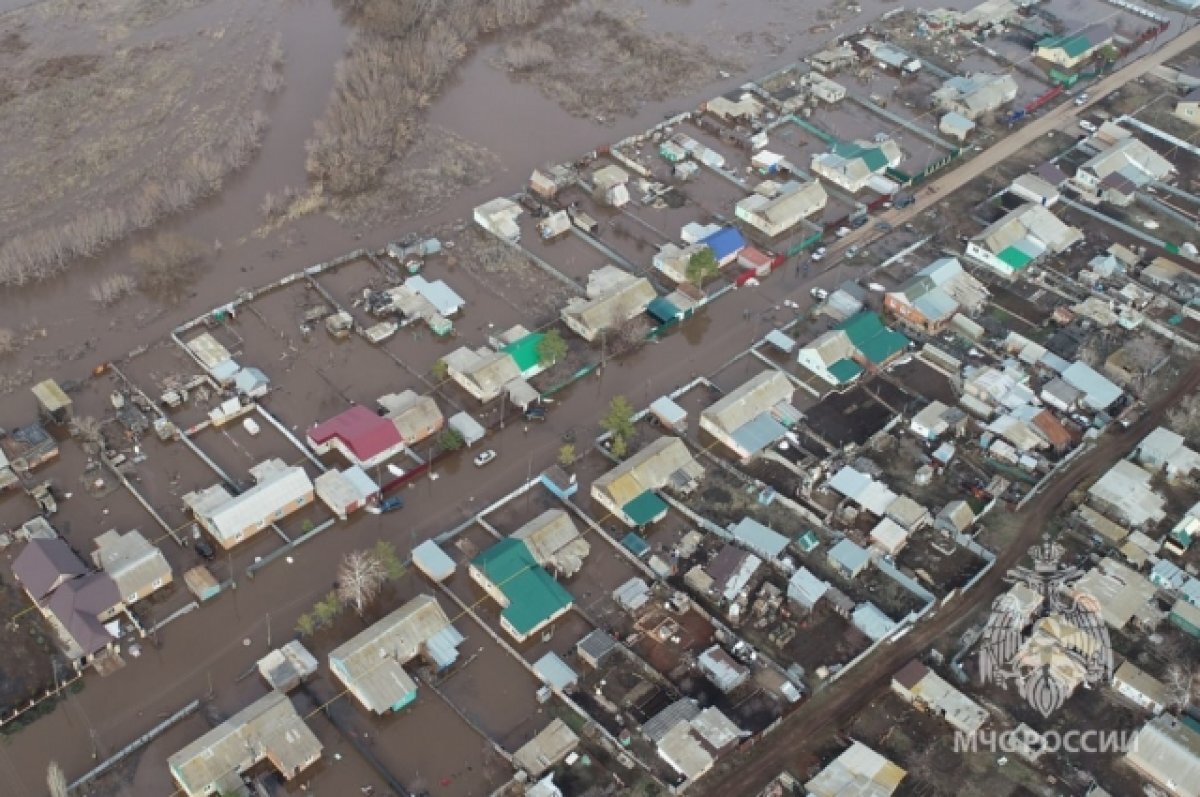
point(43, 253)
point(402, 54)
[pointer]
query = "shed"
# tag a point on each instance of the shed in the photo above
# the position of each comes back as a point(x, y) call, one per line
point(781, 341)
point(546, 749)
point(53, 402)
point(635, 544)
point(889, 536)
point(670, 414)
point(868, 618)
point(430, 559)
point(470, 429)
point(284, 668)
point(632, 595)
point(202, 583)
point(806, 589)
point(720, 668)
point(755, 537)
point(555, 672)
point(849, 559)
point(595, 648)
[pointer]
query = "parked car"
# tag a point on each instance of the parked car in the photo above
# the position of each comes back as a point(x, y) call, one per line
point(484, 458)
point(818, 253)
point(858, 221)
point(852, 251)
point(391, 504)
point(205, 550)
point(883, 226)
point(1086, 125)
point(535, 413)
point(820, 294)
point(1081, 99)
point(904, 200)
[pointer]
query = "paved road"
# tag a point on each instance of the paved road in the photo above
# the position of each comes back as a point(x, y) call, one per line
point(1010, 145)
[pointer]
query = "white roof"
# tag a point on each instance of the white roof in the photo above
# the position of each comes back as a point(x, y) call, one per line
point(664, 407)
point(1126, 487)
point(1168, 752)
point(857, 772)
point(868, 618)
point(431, 560)
point(438, 293)
point(756, 537)
point(260, 503)
point(889, 535)
point(805, 588)
point(1099, 392)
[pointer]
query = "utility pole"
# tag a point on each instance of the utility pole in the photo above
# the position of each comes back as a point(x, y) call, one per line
point(268, 630)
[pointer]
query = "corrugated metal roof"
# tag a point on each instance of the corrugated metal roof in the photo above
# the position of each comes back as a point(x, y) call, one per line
point(555, 672)
point(758, 538)
point(260, 503)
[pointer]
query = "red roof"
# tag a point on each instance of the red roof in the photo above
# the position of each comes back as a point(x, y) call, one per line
point(751, 256)
point(1050, 427)
point(364, 433)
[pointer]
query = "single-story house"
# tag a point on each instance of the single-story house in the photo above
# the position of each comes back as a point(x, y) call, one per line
point(370, 665)
point(924, 688)
point(280, 490)
point(725, 244)
point(628, 490)
point(551, 745)
point(851, 165)
point(361, 436)
point(1139, 686)
point(555, 542)
point(1167, 751)
point(775, 208)
point(758, 539)
point(416, 417)
point(931, 298)
point(1165, 450)
point(482, 372)
point(848, 559)
point(530, 598)
point(613, 298)
point(1020, 237)
point(719, 667)
point(1072, 49)
point(269, 729)
point(870, 619)
point(345, 491)
point(753, 416)
point(499, 217)
point(806, 589)
point(1122, 593)
point(976, 94)
point(135, 564)
point(889, 536)
point(1125, 491)
point(858, 770)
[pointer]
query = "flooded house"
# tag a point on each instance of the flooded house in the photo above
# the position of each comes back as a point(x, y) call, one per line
point(28, 447)
point(135, 564)
point(529, 597)
point(555, 542)
point(852, 165)
point(753, 416)
point(499, 217)
point(371, 664)
point(416, 417)
point(482, 372)
point(280, 490)
point(774, 208)
point(346, 491)
point(269, 729)
point(628, 490)
point(613, 298)
point(363, 437)
point(551, 745)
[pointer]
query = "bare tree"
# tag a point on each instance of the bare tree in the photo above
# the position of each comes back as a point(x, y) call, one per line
point(360, 578)
point(90, 433)
point(8, 341)
point(56, 780)
point(1183, 685)
point(1184, 417)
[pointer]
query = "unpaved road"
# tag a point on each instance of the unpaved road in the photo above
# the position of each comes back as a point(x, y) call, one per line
point(1010, 145)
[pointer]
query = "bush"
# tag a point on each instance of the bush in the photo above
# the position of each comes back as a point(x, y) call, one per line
point(113, 289)
point(167, 264)
point(8, 342)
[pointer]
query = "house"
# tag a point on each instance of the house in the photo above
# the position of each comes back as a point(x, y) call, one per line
point(370, 665)
point(1135, 361)
point(361, 436)
point(269, 729)
point(1020, 237)
point(721, 669)
point(613, 298)
point(691, 746)
point(280, 490)
point(754, 415)
point(823, 88)
point(1098, 393)
point(976, 94)
point(1125, 492)
point(556, 673)
point(931, 298)
point(848, 559)
point(1164, 450)
point(346, 491)
point(875, 343)
point(831, 357)
point(1187, 107)
point(530, 598)
point(775, 208)
point(136, 565)
point(288, 666)
point(1167, 751)
point(445, 301)
point(726, 243)
point(28, 447)
point(738, 106)
point(1072, 49)
point(956, 125)
point(806, 589)
point(672, 261)
point(925, 689)
point(551, 745)
point(1128, 159)
point(554, 542)
point(1185, 617)
point(415, 417)
point(847, 300)
point(954, 518)
point(1032, 188)
point(868, 493)
point(482, 372)
point(1140, 687)
point(889, 536)
point(1165, 275)
point(870, 619)
point(44, 565)
point(758, 539)
point(1051, 430)
point(851, 165)
point(731, 572)
point(1185, 530)
point(499, 217)
point(858, 771)
point(628, 490)
point(908, 513)
point(1122, 593)
point(611, 184)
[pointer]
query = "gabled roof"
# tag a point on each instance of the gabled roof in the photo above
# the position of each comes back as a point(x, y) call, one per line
point(754, 397)
point(651, 468)
point(78, 602)
point(614, 296)
point(275, 491)
point(533, 595)
point(43, 563)
point(554, 541)
point(725, 242)
point(362, 432)
point(130, 560)
point(876, 342)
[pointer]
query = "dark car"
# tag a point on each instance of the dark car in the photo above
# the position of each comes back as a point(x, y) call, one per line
point(205, 550)
point(386, 505)
point(858, 221)
point(535, 414)
point(904, 200)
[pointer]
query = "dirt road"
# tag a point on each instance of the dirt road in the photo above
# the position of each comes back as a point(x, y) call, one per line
point(838, 703)
point(937, 190)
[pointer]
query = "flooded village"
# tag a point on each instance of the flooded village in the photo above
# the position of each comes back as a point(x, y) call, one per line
point(712, 437)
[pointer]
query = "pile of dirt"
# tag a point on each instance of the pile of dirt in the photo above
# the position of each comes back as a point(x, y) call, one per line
point(597, 62)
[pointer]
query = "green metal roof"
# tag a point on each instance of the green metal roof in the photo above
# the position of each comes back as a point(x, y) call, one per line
point(872, 156)
point(873, 340)
point(646, 508)
point(1182, 537)
point(533, 595)
point(525, 351)
point(845, 370)
point(808, 541)
point(1073, 46)
point(662, 310)
point(1014, 258)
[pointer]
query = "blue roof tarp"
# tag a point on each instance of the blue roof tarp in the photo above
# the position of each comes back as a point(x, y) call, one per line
point(634, 543)
point(725, 243)
point(759, 433)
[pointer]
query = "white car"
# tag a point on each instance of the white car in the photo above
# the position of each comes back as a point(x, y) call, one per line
point(818, 253)
point(820, 294)
point(1086, 125)
point(1081, 99)
point(484, 458)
